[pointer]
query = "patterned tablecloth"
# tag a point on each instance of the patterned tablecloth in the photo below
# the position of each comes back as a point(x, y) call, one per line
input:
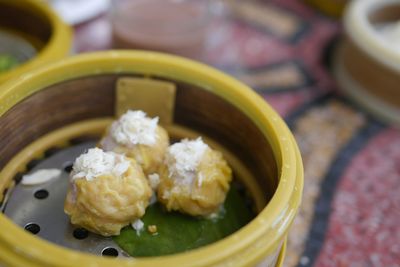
point(350, 215)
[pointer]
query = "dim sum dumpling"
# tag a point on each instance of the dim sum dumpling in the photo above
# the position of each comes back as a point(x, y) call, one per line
point(107, 191)
point(139, 137)
point(194, 179)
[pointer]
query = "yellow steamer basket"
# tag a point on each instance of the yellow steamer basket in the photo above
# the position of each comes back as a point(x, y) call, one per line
point(330, 7)
point(35, 23)
point(75, 98)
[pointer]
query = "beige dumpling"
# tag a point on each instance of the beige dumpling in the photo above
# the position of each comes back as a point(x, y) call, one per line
point(137, 136)
point(194, 178)
point(107, 191)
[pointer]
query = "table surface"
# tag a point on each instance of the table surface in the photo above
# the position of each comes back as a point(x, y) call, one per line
point(350, 215)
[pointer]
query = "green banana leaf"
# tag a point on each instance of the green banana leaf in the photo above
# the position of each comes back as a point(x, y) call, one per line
point(177, 232)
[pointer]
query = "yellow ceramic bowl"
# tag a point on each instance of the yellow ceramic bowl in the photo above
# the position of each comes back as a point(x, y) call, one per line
point(207, 101)
point(34, 22)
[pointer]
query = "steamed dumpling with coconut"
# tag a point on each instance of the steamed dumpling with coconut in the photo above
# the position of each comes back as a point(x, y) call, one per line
point(139, 137)
point(107, 191)
point(194, 179)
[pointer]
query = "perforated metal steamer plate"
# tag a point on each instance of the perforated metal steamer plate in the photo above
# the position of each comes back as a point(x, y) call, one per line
point(40, 208)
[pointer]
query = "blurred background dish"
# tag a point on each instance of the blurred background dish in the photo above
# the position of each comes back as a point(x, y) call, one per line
point(177, 27)
point(368, 59)
point(75, 12)
point(14, 50)
point(30, 35)
point(330, 7)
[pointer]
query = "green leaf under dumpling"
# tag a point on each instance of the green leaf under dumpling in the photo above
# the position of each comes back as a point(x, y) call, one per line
point(177, 232)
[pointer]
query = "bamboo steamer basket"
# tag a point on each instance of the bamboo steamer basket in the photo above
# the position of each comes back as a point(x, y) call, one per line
point(35, 23)
point(34, 109)
point(367, 66)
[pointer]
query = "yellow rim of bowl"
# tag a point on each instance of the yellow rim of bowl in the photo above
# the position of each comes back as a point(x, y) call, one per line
point(247, 246)
point(330, 7)
point(58, 46)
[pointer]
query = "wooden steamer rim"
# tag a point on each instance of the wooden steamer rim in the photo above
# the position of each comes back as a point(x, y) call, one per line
point(366, 66)
point(357, 23)
point(362, 97)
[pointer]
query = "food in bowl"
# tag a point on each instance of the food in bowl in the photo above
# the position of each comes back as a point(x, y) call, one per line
point(107, 191)
point(7, 62)
point(139, 137)
point(14, 50)
point(31, 33)
point(194, 178)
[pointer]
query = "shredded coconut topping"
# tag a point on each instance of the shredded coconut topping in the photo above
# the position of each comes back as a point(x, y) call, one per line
point(154, 180)
point(135, 128)
point(184, 157)
point(96, 163)
point(138, 226)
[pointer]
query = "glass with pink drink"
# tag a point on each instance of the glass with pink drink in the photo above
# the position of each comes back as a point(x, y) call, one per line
point(172, 26)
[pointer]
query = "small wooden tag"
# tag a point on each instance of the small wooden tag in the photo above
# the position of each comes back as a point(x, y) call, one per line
point(155, 97)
